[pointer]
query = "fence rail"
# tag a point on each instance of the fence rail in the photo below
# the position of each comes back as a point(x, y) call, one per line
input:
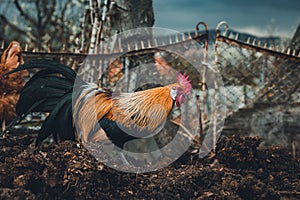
point(256, 45)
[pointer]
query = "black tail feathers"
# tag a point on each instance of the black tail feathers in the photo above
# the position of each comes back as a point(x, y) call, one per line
point(49, 90)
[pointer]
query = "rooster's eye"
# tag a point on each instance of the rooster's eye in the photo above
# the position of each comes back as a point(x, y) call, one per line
point(173, 92)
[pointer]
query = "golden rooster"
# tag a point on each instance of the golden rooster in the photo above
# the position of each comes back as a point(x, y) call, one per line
point(83, 110)
point(11, 85)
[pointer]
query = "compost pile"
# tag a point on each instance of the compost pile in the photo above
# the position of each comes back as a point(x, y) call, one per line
point(238, 169)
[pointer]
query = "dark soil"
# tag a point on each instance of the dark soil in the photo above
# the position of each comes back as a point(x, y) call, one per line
point(239, 169)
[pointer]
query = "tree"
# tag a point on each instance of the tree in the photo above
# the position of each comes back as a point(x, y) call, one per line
point(40, 23)
point(115, 16)
point(109, 18)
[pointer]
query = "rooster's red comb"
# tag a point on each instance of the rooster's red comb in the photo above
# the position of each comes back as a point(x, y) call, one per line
point(184, 82)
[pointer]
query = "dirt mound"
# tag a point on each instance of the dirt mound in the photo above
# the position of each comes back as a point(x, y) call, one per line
point(239, 169)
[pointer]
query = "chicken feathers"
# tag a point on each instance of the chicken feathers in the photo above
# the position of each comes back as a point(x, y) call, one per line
point(83, 110)
point(11, 85)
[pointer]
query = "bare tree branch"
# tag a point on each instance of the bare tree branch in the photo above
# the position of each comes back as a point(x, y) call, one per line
point(24, 14)
point(42, 23)
point(11, 25)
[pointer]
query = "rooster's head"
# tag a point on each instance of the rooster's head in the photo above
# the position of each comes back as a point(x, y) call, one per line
point(180, 90)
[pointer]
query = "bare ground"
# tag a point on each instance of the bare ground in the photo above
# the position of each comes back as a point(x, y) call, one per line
point(239, 169)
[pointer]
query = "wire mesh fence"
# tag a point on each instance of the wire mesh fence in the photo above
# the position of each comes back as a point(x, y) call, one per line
point(253, 72)
point(251, 76)
point(262, 88)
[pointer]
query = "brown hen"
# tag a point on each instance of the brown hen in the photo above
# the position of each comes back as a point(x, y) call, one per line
point(10, 85)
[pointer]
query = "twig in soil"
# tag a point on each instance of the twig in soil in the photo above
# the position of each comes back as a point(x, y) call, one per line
point(296, 193)
point(15, 121)
point(294, 149)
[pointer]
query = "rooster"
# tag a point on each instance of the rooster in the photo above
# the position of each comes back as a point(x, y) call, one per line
point(80, 110)
point(11, 85)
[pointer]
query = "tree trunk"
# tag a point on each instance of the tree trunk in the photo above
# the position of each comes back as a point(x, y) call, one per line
point(124, 15)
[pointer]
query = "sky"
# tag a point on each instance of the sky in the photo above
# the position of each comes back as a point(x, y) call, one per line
point(258, 17)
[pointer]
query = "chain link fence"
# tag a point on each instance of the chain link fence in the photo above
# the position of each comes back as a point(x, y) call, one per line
point(262, 88)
